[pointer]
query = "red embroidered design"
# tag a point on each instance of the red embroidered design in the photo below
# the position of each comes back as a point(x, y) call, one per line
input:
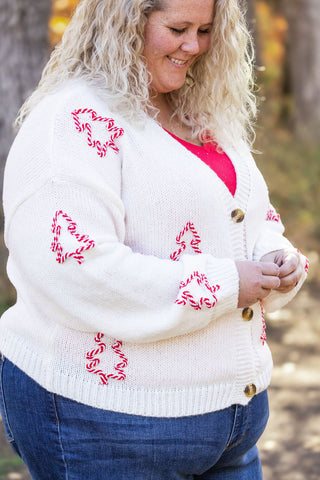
point(263, 336)
point(185, 296)
point(116, 132)
point(182, 244)
point(306, 265)
point(94, 360)
point(72, 228)
point(272, 215)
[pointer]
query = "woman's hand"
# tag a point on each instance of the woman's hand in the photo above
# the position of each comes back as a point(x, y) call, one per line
point(257, 279)
point(290, 268)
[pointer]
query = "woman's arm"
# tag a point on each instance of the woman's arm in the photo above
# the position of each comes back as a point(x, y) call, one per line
point(69, 261)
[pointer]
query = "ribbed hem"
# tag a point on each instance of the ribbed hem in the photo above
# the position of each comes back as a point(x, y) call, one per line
point(173, 402)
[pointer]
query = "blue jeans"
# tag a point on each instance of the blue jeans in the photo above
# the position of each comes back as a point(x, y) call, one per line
point(58, 438)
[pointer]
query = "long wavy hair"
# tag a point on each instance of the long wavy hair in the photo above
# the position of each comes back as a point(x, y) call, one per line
point(104, 42)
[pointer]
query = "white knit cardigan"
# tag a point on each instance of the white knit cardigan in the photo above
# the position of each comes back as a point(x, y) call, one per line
point(122, 248)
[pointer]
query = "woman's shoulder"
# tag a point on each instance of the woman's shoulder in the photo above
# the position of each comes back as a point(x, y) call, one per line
point(72, 94)
point(70, 107)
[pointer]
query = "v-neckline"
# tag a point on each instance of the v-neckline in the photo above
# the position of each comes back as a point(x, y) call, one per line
point(243, 180)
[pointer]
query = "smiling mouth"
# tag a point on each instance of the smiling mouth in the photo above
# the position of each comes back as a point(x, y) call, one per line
point(178, 62)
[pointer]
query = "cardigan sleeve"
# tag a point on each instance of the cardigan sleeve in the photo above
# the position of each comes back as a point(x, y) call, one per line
point(271, 238)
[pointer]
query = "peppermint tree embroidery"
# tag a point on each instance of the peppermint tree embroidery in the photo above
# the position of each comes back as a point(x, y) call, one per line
point(182, 244)
point(196, 289)
point(94, 361)
point(86, 118)
point(84, 241)
point(189, 292)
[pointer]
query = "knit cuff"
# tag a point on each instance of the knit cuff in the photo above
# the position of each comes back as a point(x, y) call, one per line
point(270, 242)
point(224, 273)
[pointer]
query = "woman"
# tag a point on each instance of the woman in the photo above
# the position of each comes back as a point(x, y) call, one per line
point(144, 251)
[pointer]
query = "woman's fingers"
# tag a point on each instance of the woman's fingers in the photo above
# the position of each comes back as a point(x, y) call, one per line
point(269, 279)
point(290, 272)
point(290, 263)
point(290, 268)
point(269, 275)
point(270, 282)
point(256, 281)
point(269, 269)
point(290, 281)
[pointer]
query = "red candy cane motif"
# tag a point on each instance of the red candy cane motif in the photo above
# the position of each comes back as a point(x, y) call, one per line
point(182, 244)
point(116, 132)
point(56, 246)
point(272, 215)
point(263, 336)
point(307, 263)
point(94, 361)
point(185, 296)
point(306, 266)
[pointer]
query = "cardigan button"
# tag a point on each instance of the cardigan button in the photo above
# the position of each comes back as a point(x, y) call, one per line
point(247, 314)
point(250, 390)
point(237, 215)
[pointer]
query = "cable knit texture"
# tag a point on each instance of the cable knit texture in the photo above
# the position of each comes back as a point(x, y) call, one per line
point(122, 250)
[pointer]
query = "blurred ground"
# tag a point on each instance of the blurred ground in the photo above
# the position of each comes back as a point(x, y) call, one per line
point(290, 446)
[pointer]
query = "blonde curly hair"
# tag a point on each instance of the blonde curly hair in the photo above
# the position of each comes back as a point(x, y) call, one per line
point(104, 43)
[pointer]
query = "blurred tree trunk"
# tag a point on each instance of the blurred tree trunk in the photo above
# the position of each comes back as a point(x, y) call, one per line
point(303, 47)
point(252, 24)
point(23, 51)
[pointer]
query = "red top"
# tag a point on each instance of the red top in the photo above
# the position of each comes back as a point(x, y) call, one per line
point(220, 163)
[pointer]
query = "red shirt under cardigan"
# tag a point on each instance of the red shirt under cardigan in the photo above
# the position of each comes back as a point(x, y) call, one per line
point(219, 162)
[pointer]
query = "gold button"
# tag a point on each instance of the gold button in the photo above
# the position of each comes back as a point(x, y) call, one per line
point(250, 390)
point(237, 215)
point(247, 314)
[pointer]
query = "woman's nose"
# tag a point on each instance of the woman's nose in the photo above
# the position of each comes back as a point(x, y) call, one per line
point(191, 45)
